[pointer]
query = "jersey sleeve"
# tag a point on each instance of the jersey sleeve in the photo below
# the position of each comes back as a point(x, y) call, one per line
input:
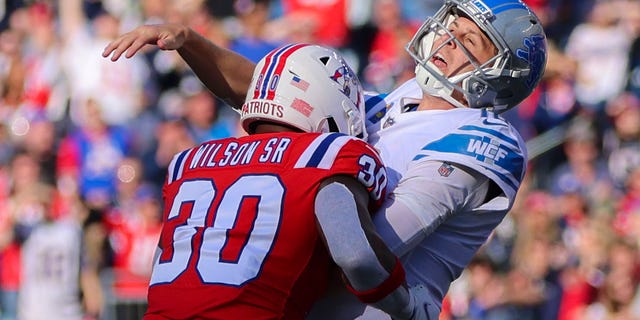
point(424, 200)
point(490, 146)
point(371, 172)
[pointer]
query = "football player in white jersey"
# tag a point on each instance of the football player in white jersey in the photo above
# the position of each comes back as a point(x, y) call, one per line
point(454, 164)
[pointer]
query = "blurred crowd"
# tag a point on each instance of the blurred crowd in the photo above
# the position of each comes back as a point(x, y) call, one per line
point(84, 144)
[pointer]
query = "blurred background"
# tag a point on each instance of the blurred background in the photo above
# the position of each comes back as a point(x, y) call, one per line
point(84, 144)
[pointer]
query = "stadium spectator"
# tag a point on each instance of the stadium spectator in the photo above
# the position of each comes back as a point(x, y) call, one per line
point(599, 43)
point(89, 154)
point(253, 37)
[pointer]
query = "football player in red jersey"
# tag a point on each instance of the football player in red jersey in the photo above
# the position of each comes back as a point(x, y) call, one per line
point(250, 223)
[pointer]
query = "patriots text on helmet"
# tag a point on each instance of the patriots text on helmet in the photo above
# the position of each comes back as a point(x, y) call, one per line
point(263, 107)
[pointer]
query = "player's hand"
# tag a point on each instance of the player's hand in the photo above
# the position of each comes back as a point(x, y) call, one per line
point(165, 36)
point(420, 299)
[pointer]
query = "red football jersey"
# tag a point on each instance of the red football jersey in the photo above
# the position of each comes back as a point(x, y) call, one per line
point(239, 239)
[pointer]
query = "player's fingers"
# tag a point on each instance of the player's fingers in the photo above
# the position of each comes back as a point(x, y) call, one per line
point(128, 45)
point(133, 47)
point(110, 48)
point(117, 47)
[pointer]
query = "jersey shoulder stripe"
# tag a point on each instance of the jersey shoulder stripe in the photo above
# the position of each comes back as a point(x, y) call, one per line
point(492, 132)
point(373, 99)
point(176, 166)
point(375, 106)
point(488, 143)
point(322, 151)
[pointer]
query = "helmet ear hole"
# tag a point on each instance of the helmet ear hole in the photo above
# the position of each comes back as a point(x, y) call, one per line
point(324, 60)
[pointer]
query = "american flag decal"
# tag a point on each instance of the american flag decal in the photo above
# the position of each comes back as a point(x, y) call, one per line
point(299, 83)
point(445, 169)
point(302, 107)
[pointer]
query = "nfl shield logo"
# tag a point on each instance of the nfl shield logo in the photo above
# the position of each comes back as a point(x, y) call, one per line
point(445, 169)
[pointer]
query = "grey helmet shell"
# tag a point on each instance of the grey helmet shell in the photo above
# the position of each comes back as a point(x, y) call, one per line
point(506, 79)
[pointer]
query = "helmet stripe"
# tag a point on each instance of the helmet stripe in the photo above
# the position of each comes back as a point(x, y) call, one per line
point(280, 66)
point(497, 6)
point(267, 63)
point(273, 67)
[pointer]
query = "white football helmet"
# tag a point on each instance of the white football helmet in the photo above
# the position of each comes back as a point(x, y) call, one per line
point(504, 80)
point(307, 87)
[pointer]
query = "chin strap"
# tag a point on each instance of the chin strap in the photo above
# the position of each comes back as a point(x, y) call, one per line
point(434, 84)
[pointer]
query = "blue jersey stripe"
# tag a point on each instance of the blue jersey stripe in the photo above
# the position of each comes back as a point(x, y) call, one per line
point(505, 178)
point(491, 132)
point(481, 149)
point(373, 101)
point(178, 165)
point(320, 151)
point(498, 174)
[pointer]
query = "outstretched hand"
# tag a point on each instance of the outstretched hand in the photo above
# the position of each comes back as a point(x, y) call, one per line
point(165, 36)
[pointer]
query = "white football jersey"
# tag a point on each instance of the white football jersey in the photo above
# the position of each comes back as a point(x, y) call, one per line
point(438, 212)
point(51, 272)
point(475, 138)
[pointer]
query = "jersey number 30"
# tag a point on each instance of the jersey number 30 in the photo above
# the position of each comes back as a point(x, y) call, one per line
point(210, 266)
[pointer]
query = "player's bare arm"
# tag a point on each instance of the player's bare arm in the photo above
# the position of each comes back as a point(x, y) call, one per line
point(224, 72)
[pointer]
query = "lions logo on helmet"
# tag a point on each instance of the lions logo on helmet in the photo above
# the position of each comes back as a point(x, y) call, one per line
point(535, 54)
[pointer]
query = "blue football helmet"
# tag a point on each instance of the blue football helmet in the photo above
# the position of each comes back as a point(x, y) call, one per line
point(504, 80)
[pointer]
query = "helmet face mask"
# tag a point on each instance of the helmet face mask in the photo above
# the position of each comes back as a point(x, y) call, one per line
point(500, 82)
point(307, 87)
